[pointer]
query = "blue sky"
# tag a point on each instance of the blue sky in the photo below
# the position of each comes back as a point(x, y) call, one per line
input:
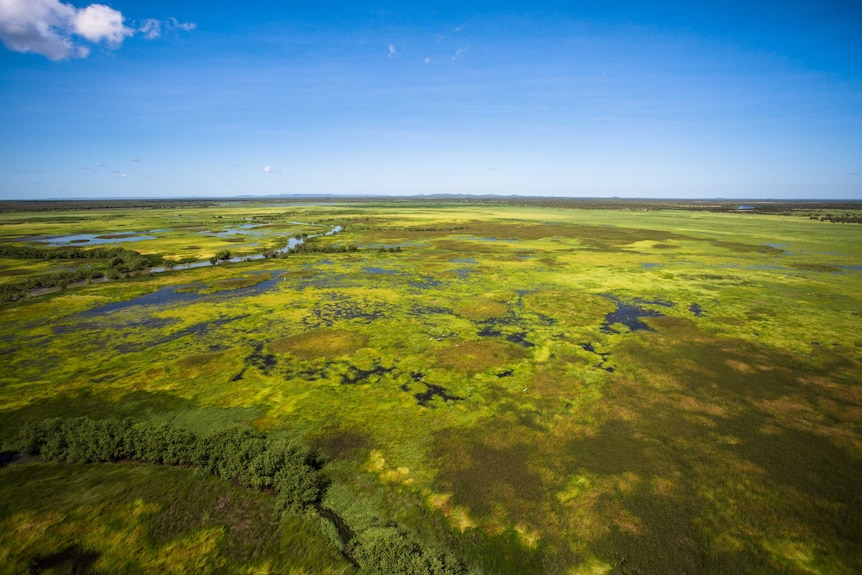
point(630, 99)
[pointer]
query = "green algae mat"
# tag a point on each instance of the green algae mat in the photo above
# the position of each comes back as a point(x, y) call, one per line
point(530, 389)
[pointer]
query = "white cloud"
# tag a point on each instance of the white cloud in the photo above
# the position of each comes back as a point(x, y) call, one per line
point(98, 22)
point(269, 170)
point(56, 30)
point(392, 50)
point(458, 28)
point(427, 60)
point(174, 24)
point(459, 53)
point(152, 28)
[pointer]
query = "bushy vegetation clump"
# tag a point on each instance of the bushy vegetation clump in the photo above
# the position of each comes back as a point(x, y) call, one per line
point(235, 454)
point(112, 263)
point(315, 248)
point(242, 455)
point(386, 550)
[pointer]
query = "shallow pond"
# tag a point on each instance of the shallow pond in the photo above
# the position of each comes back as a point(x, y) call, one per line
point(169, 295)
point(89, 239)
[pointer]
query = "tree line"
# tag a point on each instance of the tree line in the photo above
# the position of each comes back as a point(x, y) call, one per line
point(113, 262)
point(286, 467)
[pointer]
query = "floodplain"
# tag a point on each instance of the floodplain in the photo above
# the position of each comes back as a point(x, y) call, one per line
point(540, 387)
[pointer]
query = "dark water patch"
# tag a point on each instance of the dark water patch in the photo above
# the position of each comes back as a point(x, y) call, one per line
point(432, 391)
point(417, 375)
point(198, 329)
point(71, 559)
point(650, 265)
point(507, 373)
point(162, 296)
point(172, 295)
point(380, 271)
point(264, 362)
point(629, 314)
point(89, 239)
point(520, 338)
point(696, 310)
point(329, 313)
point(425, 282)
point(489, 332)
point(502, 327)
point(422, 310)
point(463, 273)
point(356, 376)
point(463, 261)
point(588, 347)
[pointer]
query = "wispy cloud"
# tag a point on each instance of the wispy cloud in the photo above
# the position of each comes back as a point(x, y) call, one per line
point(59, 31)
point(427, 60)
point(267, 169)
point(459, 53)
point(392, 50)
point(151, 28)
point(458, 28)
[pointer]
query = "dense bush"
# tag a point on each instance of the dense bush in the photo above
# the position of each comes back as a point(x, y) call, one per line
point(240, 455)
point(385, 550)
point(112, 262)
point(315, 248)
point(243, 455)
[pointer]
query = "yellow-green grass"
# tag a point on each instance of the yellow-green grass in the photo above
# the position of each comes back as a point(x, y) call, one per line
point(723, 441)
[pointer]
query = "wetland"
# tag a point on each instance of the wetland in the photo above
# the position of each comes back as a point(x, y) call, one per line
point(487, 387)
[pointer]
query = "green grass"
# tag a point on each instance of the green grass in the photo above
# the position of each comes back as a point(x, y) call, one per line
point(724, 442)
point(129, 518)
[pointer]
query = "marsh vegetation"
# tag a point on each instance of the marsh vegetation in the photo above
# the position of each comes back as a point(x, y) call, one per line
point(468, 386)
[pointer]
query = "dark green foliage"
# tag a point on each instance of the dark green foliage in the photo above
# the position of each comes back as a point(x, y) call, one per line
point(387, 551)
point(235, 454)
point(114, 261)
point(310, 247)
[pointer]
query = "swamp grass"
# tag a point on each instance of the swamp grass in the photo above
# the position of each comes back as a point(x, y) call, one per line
point(723, 441)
